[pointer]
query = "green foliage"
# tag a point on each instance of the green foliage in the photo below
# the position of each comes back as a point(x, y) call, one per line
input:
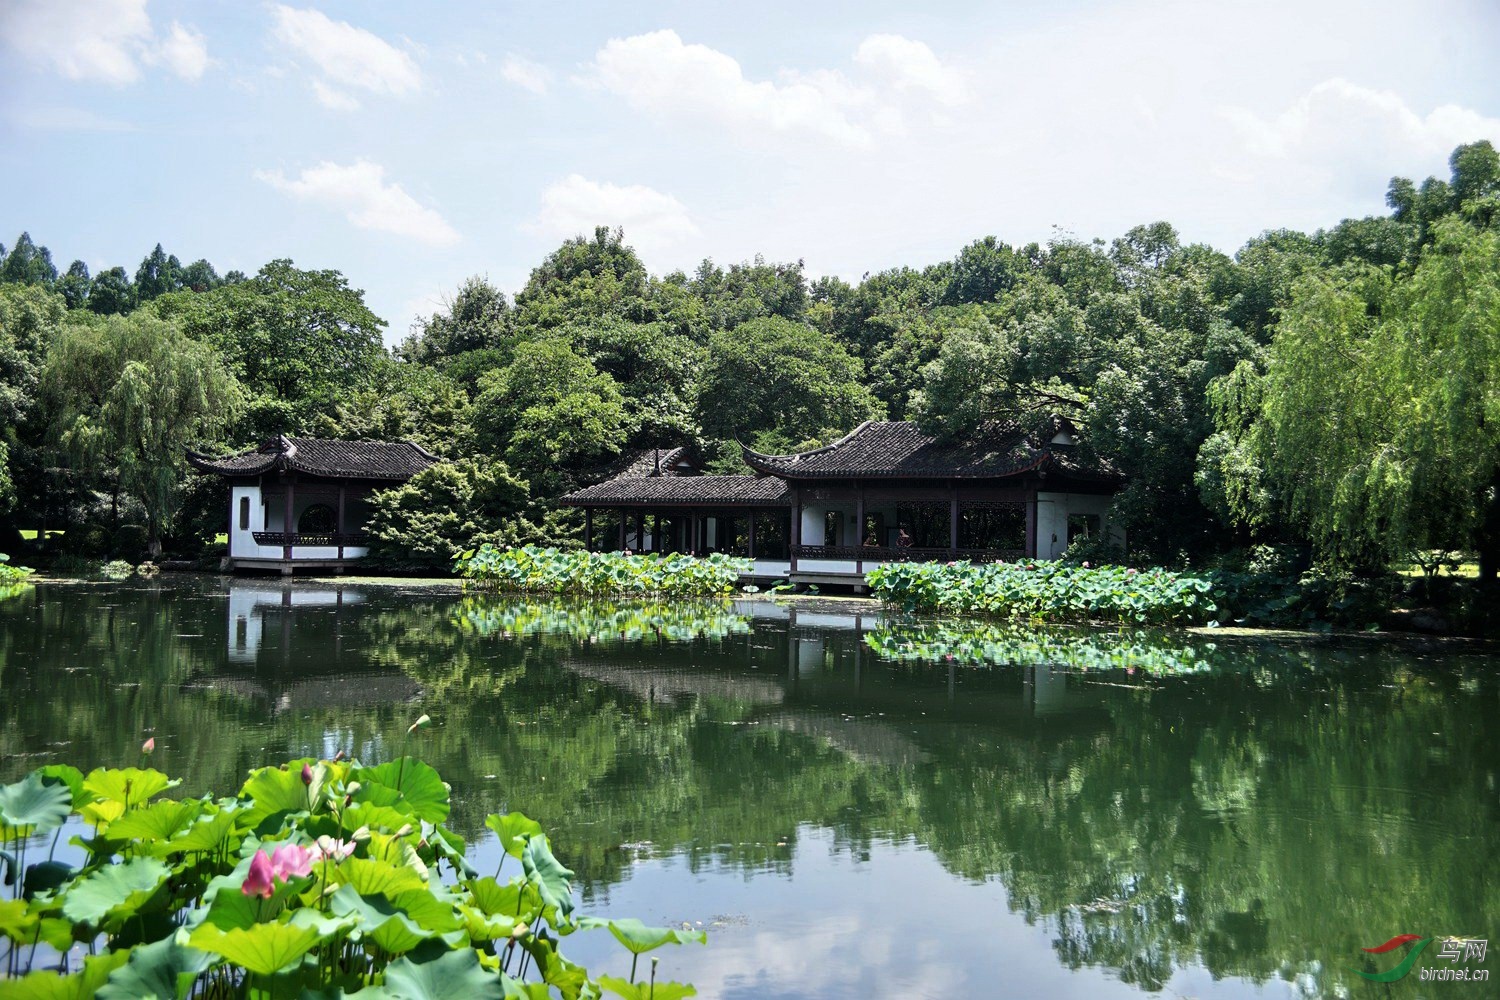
point(11, 576)
point(130, 396)
point(551, 571)
point(781, 384)
point(303, 339)
point(1046, 591)
point(550, 414)
point(424, 523)
point(652, 623)
point(302, 884)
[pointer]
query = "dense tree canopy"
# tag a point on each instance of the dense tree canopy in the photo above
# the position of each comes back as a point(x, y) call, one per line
point(129, 396)
point(1334, 389)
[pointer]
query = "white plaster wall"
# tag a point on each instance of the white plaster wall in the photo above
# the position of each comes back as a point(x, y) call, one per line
point(1052, 510)
point(241, 542)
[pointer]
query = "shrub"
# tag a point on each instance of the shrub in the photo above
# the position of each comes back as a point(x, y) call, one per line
point(12, 574)
point(129, 542)
point(552, 571)
point(319, 878)
point(1046, 591)
point(426, 522)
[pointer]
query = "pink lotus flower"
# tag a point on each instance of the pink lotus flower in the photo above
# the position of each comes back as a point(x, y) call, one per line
point(307, 774)
point(149, 745)
point(290, 861)
point(1085, 564)
point(329, 849)
point(260, 880)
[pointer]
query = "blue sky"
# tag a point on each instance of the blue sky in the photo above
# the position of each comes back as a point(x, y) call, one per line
point(411, 145)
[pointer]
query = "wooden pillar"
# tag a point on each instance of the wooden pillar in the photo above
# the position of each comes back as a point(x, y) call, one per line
point(588, 529)
point(340, 525)
point(751, 515)
point(640, 531)
point(621, 532)
point(953, 520)
point(286, 522)
point(796, 532)
point(1031, 522)
point(859, 527)
point(693, 526)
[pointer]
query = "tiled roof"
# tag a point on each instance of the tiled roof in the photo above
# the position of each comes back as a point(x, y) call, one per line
point(897, 449)
point(646, 462)
point(397, 461)
point(683, 490)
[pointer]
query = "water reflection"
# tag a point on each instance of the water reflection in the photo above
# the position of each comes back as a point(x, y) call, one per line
point(1107, 813)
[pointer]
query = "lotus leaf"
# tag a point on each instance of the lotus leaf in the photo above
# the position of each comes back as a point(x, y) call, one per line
point(33, 805)
point(639, 938)
point(118, 789)
point(163, 969)
point(113, 892)
point(263, 949)
point(513, 829)
point(551, 879)
point(421, 787)
point(82, 985)
point(647, 991)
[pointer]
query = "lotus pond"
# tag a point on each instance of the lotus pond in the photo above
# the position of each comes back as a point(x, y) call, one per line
point(849, 804)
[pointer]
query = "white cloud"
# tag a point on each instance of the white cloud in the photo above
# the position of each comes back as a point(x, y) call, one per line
point(183, 52)
point(99, 40)
point(1337, 115)
point(360, 191)
point(911, 65)
point(67, 120)
point(345, 56)
point(1353, 136)
point(333, 98)
point(526, 74)
point(653, 221)
point(659, 73)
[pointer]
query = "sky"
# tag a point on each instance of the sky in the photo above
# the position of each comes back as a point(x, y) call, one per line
point(413, 145)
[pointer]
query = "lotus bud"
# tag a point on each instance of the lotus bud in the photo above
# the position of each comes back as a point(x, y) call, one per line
point(405, 829)
point(519, 931)
point(339, 756)
point(307, 774)
point(149, 745)
point(363, 833)
point(423, 721)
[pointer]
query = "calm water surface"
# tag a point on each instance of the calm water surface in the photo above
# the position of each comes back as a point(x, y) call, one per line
point(852, 807)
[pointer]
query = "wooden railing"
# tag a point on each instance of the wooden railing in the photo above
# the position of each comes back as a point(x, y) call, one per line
point(890, 553)
point(325, 539)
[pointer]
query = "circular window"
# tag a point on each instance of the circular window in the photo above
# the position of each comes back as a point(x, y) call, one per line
point(319, 519)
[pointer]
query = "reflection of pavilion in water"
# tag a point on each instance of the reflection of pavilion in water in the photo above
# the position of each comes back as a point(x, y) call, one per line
point(810, 672)
point(285, 646)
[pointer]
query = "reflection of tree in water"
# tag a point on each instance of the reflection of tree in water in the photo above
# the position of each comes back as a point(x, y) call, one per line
point(1266, 817)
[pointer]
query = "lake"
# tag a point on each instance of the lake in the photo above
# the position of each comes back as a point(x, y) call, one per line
point(851, 805)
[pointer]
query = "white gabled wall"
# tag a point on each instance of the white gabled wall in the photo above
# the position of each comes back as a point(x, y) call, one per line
point(1052, 510)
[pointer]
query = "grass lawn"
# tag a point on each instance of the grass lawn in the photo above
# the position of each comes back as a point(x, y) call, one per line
point(1465, 570)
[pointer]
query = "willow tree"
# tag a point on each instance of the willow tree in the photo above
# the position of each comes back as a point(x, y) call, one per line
point(129, 395)
point(1378, 423)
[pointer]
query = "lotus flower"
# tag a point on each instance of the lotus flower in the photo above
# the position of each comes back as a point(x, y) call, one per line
point(149, 745)
point(1085, 564)
point(291, 861)
point(329, 849)
point(307, 774)
point(260, 880)
point(424, 720)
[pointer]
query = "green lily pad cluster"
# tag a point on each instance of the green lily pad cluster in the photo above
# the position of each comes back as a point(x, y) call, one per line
point(1047, 591)
point(597, 621)
point(320, 879)
point(13, 579)
point(1005, 645)
point(552, 571)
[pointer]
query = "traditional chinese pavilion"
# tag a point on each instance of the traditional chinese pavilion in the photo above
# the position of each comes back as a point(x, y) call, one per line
point(884, 492)
point(301, 503)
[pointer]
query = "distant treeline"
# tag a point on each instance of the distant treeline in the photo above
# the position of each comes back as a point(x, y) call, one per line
point(1336, 390)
